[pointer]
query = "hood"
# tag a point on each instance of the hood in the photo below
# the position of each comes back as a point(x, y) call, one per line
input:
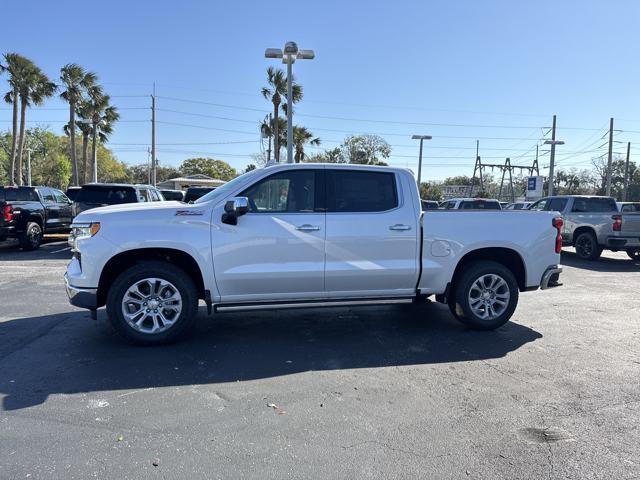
point(139, 211)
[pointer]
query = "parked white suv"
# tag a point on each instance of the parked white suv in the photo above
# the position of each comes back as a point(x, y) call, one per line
point(304, 235)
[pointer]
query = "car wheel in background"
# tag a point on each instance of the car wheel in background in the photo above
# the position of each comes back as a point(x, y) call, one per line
point(485, 295)
point(152, 303)
point(634, 254)
point(31, 238)
point(587, 246)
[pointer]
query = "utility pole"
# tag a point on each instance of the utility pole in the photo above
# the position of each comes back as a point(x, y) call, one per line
point(626, 173)
point(421, 138)
point(149, 166)
point(553, 142)
point(610, 157)
point(28, 166)
point(153, 136)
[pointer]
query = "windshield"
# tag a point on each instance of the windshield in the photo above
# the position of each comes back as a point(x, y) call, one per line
point(227, 188)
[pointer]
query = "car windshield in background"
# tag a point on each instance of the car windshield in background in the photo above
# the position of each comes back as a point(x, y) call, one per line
point(227, 187)
point(479, 205)
point(106, 195)
point(19, 194)
point(594, 204)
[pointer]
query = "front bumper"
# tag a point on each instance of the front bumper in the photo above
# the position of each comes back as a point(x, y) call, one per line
point(551, 277)
point(81, 297)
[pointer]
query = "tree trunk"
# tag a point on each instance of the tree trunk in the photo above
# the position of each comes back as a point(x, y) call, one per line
point(94, 147)
point(276, 143)
point(23, 115)
point(72, 139)
point(85, 151)
point(14, 139)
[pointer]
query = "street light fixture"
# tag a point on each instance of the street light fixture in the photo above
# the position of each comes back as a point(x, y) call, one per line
point(421, 138)
point(289, 55)
point(553, 144)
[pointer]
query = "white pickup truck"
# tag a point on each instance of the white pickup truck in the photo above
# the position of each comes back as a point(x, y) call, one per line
point(304, 235)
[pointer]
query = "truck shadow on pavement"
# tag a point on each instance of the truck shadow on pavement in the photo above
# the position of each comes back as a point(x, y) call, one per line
point(69, 353)
point(603, 264)
point(51, 249)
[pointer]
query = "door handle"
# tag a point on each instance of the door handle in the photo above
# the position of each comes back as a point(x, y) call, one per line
point(308, 228)
point(400, 227)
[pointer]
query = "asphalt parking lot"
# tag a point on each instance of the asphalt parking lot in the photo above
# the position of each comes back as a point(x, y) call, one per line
point(375, 392)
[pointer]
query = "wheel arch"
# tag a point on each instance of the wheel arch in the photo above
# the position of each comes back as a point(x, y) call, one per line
point(580, 230)
point(507, 257)
point(123, 260)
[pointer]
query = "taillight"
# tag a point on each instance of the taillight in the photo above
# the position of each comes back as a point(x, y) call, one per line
point(617, 223)
point(7, 213)
point(558, 223)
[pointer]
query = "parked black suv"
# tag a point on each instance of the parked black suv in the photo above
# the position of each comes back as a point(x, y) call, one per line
point(173, 195)
point(194, 193)
point(27, 213)
point(93, 195)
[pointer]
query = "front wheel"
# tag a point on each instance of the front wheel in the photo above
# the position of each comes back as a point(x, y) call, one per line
point(634, 254)
point(485, 295)
point(152, 303)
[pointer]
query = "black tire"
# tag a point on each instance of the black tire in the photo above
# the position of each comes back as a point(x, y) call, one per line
point(634, 254)
point(460, 304)
point(587, 246)
point(160, 270)
point(31, 238)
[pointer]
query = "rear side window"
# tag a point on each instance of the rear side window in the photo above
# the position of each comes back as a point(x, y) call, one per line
point(594, 205)
point(19, 194)
point(634, 207)
point(480, 205)
point(361, 191)
point(47, 195)
point(556, 204)
point(106, 195)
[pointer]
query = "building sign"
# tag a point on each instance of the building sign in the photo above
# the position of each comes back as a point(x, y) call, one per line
point(459, 191)
point(534, 186)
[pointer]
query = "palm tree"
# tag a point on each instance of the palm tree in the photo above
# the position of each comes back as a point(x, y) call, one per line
point(302, 136)
point(99, 117)
point(17, 67)
point(76, 81)
point(35, 87)
point(276, 89)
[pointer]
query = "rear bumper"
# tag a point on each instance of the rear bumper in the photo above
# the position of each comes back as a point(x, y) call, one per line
point(623, 242)
point(81, 297)
point(551, 277)
point(6, 232)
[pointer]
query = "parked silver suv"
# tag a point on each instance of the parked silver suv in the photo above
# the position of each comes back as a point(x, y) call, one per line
point(592, 224)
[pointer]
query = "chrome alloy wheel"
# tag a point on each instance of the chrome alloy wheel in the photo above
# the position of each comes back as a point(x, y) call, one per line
point(489, 296)
point(151, 305)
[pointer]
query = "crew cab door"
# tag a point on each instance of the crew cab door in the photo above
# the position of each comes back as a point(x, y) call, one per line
point(372, 234)
point(276, 250)
point(64, 211)
point(51, 210)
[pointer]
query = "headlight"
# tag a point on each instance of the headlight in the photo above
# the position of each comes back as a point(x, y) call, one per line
point(81, 231)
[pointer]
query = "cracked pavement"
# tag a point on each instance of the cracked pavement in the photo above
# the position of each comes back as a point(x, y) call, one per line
point(372, 392)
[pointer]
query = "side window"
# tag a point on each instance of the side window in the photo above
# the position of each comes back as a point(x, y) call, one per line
point(291, 192)
point(47, 196)
point(361, 191)
point(557, 204)
point(60, 197)
point(143, 195)
point(539, 205)
point(451, 205)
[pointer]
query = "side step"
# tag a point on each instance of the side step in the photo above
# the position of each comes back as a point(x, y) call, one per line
point(241, 307)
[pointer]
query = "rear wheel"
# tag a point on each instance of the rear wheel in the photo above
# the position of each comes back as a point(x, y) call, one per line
point(152, 303)
point(587, 246)
point(485, 295)
point(634, 254)
point(31, 238)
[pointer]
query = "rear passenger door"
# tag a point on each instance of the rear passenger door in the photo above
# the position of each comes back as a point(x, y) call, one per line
point(372, 231)
point(64, 209)
point(52, 210)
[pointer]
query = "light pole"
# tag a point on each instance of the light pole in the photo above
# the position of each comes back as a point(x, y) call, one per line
point(553, 144)
point(421, 138)
point(289, 55)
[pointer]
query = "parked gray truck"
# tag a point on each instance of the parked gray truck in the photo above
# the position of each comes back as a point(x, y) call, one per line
point(593, 224)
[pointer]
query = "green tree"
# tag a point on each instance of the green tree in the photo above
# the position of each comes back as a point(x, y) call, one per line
point(333, 155)
point(365, 149)
point(249, 168)
point(17, 67)
point(140, 173)
point(76, 82)
point(34, 88)
point(274, 91)
point(210, 167)
point(431, 191)
point(302, 136)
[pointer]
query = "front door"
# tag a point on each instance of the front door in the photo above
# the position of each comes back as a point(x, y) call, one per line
point(276, 251)
point(372, 235)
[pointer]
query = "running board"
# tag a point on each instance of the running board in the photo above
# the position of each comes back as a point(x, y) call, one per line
point(241, 307)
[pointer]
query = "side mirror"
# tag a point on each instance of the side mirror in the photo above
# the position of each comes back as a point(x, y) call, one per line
point(234, 208)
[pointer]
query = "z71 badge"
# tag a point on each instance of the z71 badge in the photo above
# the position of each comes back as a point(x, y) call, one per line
point(186, 213)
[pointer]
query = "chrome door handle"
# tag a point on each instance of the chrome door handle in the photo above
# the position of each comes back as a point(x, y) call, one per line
point(308, 228)
point(400, 227)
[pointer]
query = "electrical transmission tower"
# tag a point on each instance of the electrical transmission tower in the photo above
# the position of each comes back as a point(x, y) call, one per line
point(506, 168)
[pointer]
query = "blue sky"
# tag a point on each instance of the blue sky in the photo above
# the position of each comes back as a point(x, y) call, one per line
point(457, 70)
